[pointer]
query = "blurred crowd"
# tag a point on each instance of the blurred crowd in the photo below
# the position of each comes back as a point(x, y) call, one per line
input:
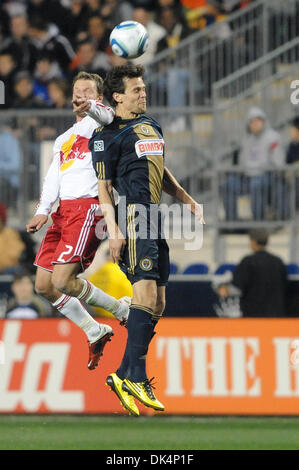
point(44, 43)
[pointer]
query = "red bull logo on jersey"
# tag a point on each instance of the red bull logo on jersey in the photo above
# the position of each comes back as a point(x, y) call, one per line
point(149, 147)
point(76, 147)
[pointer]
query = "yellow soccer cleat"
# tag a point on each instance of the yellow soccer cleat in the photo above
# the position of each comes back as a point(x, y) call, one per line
point(143, 392)
point(127, 401)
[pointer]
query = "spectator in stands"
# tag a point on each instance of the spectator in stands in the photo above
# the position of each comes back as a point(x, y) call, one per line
point(94, 7)
point(98, 33)
point(155, 34)
point(229, 6)
point(114, 12)
point(47, 39)
point(45, 71)
point(24, 96)
point(19, 44)
point(261, 154)
point(52, 10)
point(89, 60)
point(176, 76)
point(174, 23)
point(10, 167)
point(11, 245)
point(78, 19)
point(4, 23)
point(58, 92)
point(7, 71)
point(148, 4)
point(261, 279)
point(160, 4)
point(200, 13)
point(293, 147)
point(28, 254)
point(25, 304)
point(293, 152)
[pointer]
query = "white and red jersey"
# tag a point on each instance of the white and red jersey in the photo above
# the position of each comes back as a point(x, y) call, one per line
point(71, 174)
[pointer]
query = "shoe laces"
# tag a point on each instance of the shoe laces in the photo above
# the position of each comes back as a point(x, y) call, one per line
point(148, 386)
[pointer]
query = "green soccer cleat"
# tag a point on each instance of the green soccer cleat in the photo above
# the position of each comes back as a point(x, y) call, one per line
point(143, 392)
point(127, 401)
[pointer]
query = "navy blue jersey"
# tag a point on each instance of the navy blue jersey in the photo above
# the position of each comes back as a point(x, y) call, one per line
point(130, 153)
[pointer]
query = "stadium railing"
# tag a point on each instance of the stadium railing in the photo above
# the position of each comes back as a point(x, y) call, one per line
point(186, 72)
point(187, 155)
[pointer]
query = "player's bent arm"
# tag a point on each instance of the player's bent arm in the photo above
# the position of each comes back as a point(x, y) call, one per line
point(95, 109)
point(116, 238)
point(99, 112)
point(172, 186)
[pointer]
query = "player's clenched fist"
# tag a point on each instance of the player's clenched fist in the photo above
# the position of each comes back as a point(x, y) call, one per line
point(81, 105)
point(36, 223)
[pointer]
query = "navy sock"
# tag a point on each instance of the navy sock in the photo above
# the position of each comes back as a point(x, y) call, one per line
point(124, 368)
point(140, 332)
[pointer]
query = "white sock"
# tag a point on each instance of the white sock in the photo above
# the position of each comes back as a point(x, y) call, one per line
point(72, 308)
point(94, 296)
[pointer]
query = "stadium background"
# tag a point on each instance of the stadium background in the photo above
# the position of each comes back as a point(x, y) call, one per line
point(233, 55)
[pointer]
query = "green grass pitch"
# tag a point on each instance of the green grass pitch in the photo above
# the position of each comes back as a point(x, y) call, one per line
point(150, 433)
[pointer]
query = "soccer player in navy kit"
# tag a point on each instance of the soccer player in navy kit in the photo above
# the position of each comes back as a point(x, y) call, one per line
point(128, 155)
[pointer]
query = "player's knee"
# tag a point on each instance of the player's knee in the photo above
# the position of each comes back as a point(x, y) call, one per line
point(60, 283)
point(42, 288)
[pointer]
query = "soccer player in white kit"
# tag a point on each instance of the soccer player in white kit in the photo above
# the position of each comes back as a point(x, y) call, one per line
point(70, 242)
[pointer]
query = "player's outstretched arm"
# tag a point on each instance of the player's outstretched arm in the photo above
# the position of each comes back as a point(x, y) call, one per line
point(116, 239)
point(172, 186)
point(94, 108)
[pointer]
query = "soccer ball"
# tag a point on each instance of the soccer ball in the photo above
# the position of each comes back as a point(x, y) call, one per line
point(129, 39)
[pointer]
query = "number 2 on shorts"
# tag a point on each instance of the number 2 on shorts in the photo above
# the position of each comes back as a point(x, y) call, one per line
point(67, 252)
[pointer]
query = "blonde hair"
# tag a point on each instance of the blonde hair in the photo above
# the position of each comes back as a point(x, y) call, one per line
point(90, 76)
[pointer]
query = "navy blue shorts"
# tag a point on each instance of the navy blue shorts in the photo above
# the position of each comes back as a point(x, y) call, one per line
point(146, 254)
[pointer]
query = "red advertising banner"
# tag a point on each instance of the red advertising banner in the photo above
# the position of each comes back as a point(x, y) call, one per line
point(202, 366)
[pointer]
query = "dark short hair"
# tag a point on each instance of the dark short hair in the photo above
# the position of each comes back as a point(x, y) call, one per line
point(90, 76)
point(61, 83)
point(39, 23)
point(97, 16)
point(114, 80)
point(21, 273)
point(21, 76)
point(83, 42)
point(260, 236)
